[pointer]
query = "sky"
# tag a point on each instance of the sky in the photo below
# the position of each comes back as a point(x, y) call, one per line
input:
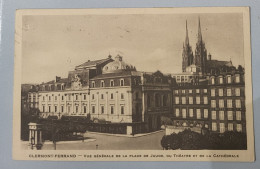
point(52, 45)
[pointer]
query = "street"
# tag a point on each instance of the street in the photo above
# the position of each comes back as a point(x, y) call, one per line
point(112, 142)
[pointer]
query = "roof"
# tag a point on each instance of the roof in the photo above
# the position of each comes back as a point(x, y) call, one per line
point(94, 62)
point(62, 80)
point(123, 73)
point(217, 63)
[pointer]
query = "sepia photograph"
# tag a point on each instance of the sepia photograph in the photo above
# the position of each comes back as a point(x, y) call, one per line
point(133, 84)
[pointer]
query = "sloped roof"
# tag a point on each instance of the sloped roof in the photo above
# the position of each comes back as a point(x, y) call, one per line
point(217, 63)
point(62, 80)
point(123, 73)
point(93, 63)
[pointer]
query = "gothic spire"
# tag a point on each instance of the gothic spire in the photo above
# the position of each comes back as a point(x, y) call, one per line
point(187, 36)
point(199, 32)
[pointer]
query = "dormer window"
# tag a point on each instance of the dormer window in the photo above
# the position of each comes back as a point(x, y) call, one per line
point(220, 80)
point(102, 83)
point(111, 83)
point(93, 84)
point(122, 82)
point(229, 79)
point(237, 79)
point(212, 80)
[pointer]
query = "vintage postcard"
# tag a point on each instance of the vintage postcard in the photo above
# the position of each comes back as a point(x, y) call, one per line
point(133, 84)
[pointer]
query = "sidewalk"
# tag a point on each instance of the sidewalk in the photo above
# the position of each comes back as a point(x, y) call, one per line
point(123, 135)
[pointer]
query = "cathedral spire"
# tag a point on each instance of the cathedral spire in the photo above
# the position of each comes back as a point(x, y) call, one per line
point(187, 36)
point(199, 32)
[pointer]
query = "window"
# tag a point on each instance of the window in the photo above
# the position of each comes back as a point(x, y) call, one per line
point(229, 103)
point(206, 113)
point(213, 115)
point(213, 103)
point(183, 100)
point(230, 126)
point(214, 126)
point(237, 91)
point(177, 100)
point(76, 97)
point(191, 112)
point(190, 91)
point(62, 97)
point(102, 83)
point(43, 108)
point(230, 115)
point(69, 97)
point(43, 98)
point(55, 108)
point(77, 109)
point(85, 97)
point(183, 91)
point(55, 97)
point(93, 96)
point(148, 100)
point(85, 109)
point(197, 99)
point(222, 127)
point(122, 82)
point(49, 98)
point(165, 100)
point(122, 109)
point(157, 100)
point(229, 92)
point(205, 98)
point(221, 80)
point(49, 108)
point(111, 83)
point(177, 112)
point(229, 79)
point(112, 109)
point(238, 103)
point(102, 96)
point(239, 127)
point(198, 113)
point(237, 79)
point(102, 109)
point(136, 95)
point(220, 92)
point(213, 92)
point(93, 84)
point(238, 115)
point(190, 100)
point(221, 103)
point(93, 109)
point(176, 91)
point(212, 80)
point(197, 90)
point(205, 91)
point(68, 109)
point(111, 96)
point(221, 115)
point(184, 113)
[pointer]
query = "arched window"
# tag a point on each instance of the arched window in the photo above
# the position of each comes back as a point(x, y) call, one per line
point(157, 100)
point(165, 100)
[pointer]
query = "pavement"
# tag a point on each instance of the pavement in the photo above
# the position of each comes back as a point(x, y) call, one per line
point(105, 141)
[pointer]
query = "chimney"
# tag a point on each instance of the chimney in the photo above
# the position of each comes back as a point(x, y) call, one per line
point(57, 79)
point(209, 56)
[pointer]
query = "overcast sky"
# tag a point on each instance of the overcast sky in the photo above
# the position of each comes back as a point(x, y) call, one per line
point(54, 45)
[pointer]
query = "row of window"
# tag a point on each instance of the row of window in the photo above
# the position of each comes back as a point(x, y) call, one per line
point(222, 128)
point(228, 102)
point(84, 109)
point(191, 100)
point(228, 92)
point(220, 79)
point(84, 97)
point(190, 91)
point(111, 84)
point(222, 115)
point(191, 113)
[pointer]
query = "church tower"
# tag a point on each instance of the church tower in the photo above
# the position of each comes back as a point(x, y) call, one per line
point(187, 54)
point(200, 52)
